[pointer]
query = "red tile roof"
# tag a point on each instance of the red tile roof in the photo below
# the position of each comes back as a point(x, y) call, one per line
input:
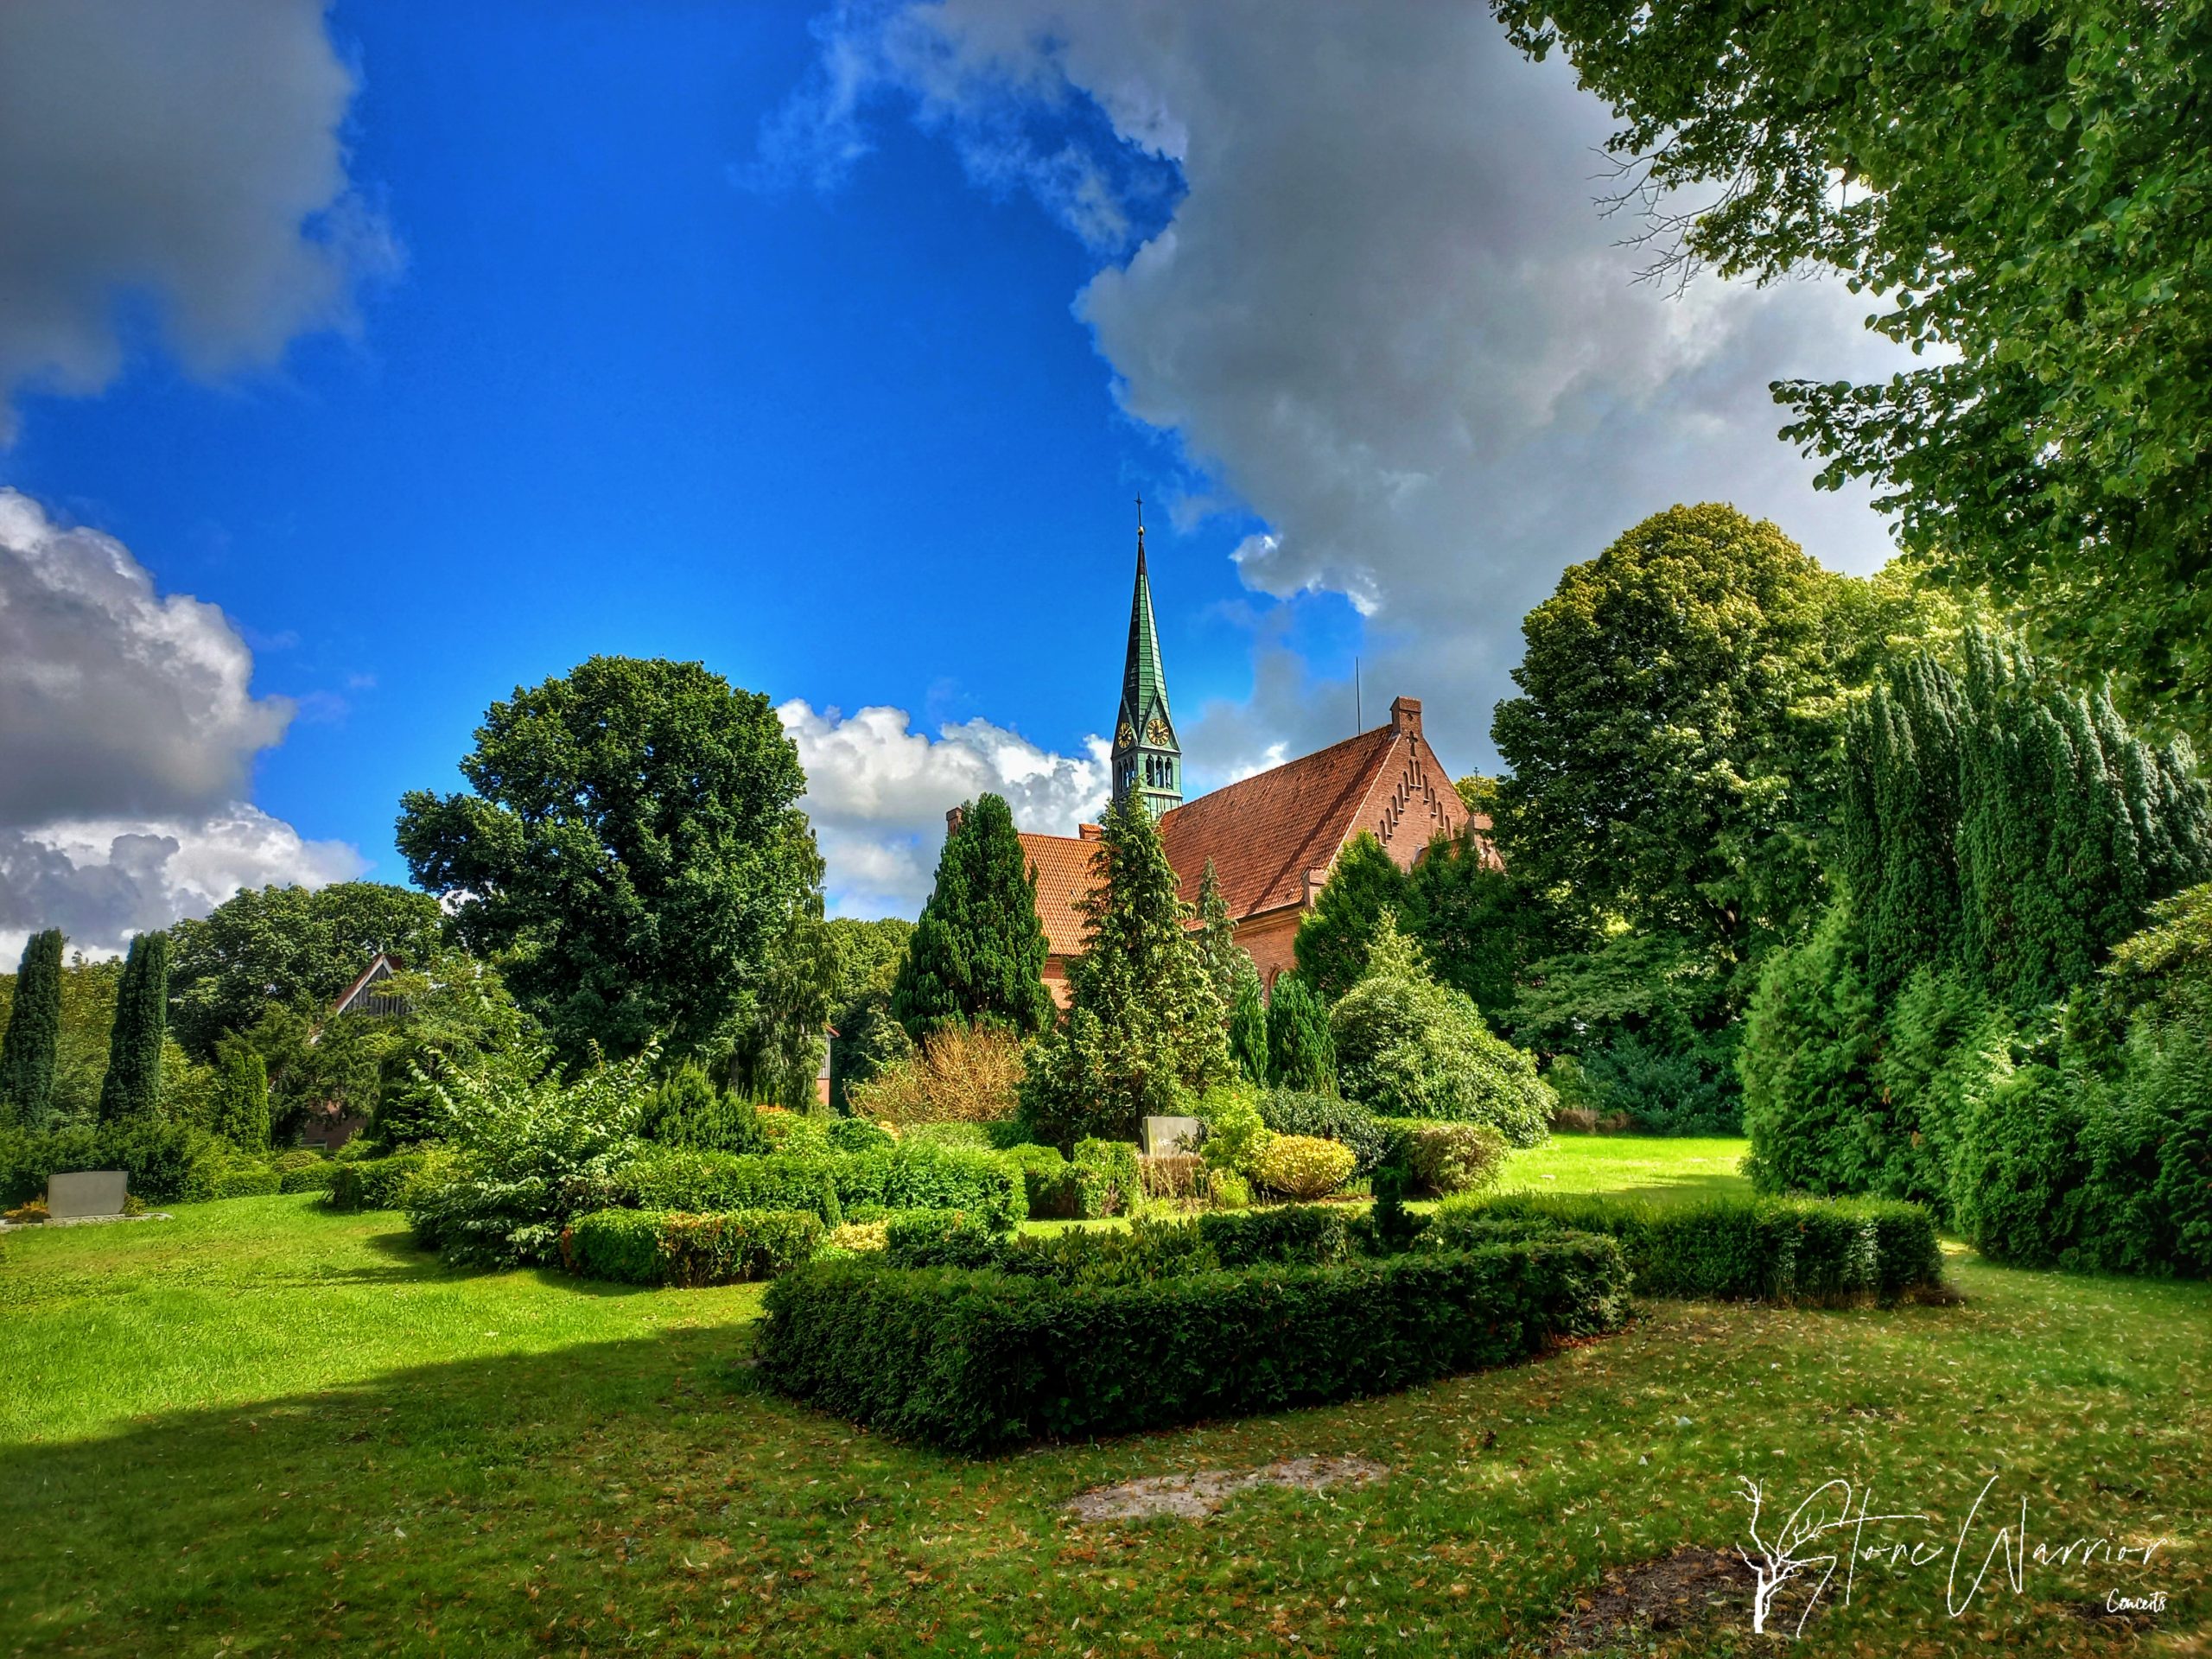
point(1266, 832)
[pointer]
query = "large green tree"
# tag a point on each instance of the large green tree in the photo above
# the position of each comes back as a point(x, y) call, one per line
point(977, 957)
point(1680, 694)
point(1365, 886)
point(287, 944)
point(631, 851)
point(869, 955)
point(2023, 188)
point(27, 1053)
point(132, 1087)
point(1144, 1033)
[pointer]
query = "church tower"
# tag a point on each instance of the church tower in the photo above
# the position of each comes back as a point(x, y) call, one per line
point(1148, 761)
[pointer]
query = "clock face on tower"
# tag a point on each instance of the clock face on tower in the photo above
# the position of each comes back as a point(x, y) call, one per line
point(1157, 733)
point(1125, 738)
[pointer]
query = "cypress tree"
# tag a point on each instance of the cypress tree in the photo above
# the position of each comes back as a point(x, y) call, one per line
point(977, 957)
point(1333, 939)
point(1225, 960)
point(1301, 1054)
point(241, 1105)
point(1144, 1029)
point(132, 1087)
point(34, 1032)
point(1248, 1027)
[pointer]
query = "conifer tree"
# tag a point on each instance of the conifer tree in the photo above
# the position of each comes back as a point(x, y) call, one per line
point(977, 957)
point(132, 1087)
point(1333, 939)
point(1248, 1027)
point(1145, 1030)
point(34, 1032)
point(1301, 1054)
point(1223, 957)
point(241, 1102)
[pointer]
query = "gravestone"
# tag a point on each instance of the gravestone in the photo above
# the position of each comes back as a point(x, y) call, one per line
point(86, 1192)
point(1163, 1135)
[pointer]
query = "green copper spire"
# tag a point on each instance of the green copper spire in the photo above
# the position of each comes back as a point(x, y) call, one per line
point(1148, 761)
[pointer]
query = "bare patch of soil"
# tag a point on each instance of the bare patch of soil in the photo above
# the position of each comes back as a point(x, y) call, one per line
point(1692, 1588)
point(1196, 1496)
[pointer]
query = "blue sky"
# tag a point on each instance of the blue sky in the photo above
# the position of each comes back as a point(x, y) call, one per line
point(828, 348)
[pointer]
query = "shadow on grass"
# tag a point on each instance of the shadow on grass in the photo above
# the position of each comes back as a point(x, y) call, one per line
point(354, 1512)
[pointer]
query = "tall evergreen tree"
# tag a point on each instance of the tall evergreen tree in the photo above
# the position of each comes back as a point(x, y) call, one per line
point(241, 1103)
point(1225, 960)
point(1333, 938)
point(1144, 1030)
point(132, 1087)
point(34, 1032)
point(977, 957)
point(1248, 1027)
point(1301, 1054)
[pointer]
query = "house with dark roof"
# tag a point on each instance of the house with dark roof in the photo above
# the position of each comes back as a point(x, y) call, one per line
point(1273, 837)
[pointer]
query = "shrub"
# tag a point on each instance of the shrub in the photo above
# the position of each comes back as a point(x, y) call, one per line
point(1306, 1236)
point(957, 1076)
point(317, 1177)
point(530, 1153)
point(1409, 1048)
point(375, 1183)
point(1760, 1248)
point(1117, 1187)
point(1304, 1167)
point(164, 1161)
point(966, 1137)
point(1144, 1251)
point(2020, 1170)
point(942, 1239)
point(1448, 1159)
point(854, 1238)
point(790, 1131)
point(977, 1361)
point(1226, 1189)
point(687, 1109)
point(660, 1247)
point(1290, 1111)
point(858, 1134)
point(1235, 1130)
point(244, 1180)
point(829, 1184)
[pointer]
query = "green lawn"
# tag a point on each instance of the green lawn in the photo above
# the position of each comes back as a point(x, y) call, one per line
point(260, 1427)
point(1644, 1167)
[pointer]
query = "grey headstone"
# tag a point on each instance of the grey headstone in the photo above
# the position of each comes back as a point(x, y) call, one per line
point(1166, 1134)
point(86, 1192)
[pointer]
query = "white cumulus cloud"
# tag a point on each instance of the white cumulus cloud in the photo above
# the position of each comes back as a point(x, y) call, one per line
point(878, 792)
point(1385, 312)
point(188, 155)
point(128, 730)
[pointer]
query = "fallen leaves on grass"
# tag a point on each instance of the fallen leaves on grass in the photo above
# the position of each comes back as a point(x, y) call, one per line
point(1195, 1497)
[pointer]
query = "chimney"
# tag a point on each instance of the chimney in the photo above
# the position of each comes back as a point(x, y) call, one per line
point(1405, 716)
point(1090, 831)
point(954, 819)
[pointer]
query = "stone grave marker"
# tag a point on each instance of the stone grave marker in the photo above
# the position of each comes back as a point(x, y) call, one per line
point(86, 1192)
point(1164, 1136)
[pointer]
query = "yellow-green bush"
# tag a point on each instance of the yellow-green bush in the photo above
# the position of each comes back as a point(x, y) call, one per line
point(1304, 1167)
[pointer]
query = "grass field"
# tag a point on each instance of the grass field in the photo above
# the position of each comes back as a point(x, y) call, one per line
point(262, 1428)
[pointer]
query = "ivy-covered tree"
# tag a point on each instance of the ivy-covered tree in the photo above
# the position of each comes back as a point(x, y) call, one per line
point(2023, 188)
point(289, 944)
point(27, 1053)
point(1144, 1033)
point(1334, 936)
point(977, 956)
point(1301, 1054)
point(631, 851)
point(132, 1087)
point(239, 1110)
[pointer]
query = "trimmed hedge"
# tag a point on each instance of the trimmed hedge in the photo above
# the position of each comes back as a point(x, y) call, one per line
point(243, 1181)
point(664, 1247)
point(375, 1183)
point(828, 1183)
point(318, 1177)
point(975, 1362)
point(1731, 1250)
point(1295, 1235)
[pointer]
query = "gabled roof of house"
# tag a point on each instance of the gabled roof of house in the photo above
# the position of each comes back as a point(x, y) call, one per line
point(382, 966)
point(1063, 866)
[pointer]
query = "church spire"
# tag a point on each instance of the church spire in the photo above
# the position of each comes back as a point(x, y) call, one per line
point(1148, 761)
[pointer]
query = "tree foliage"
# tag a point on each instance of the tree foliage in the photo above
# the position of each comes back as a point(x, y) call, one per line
point(240, 1108)
point(132, 1087)
point(34, 1034)
point(2024, 187)
point(289, 945)
point(632, 852)
point(1144, 1033)
point(978, 955)
point(1301, 1054)
point(1248, 1027)
point(1333, 937)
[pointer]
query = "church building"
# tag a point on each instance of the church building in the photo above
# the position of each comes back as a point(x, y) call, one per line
point(1273, 837)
